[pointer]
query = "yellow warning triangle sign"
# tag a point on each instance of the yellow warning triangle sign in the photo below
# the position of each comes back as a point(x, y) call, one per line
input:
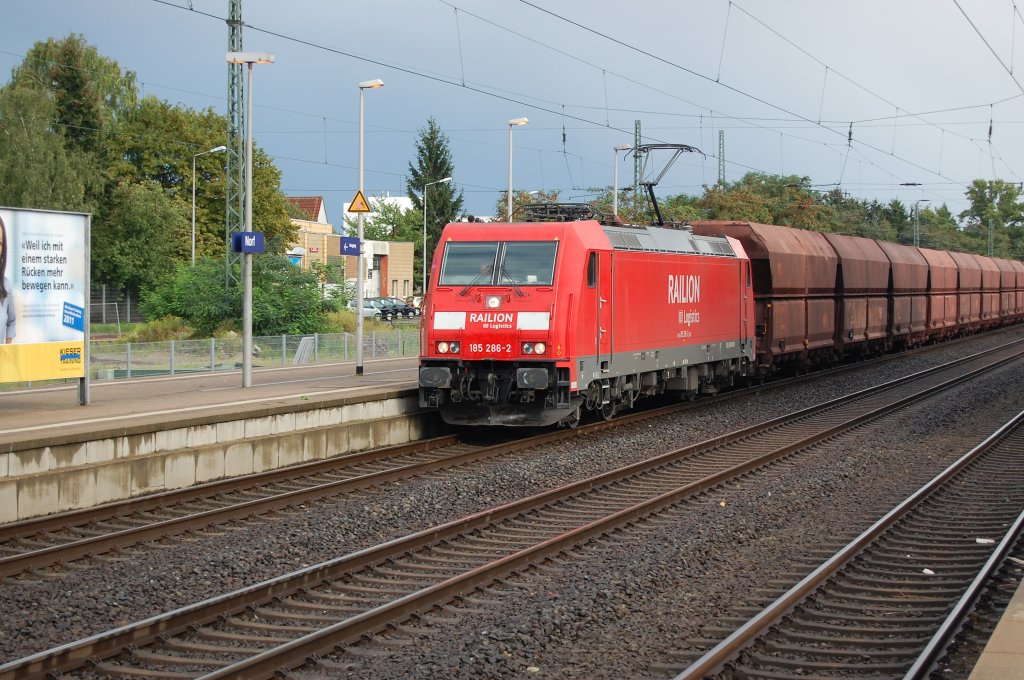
point(359, 204)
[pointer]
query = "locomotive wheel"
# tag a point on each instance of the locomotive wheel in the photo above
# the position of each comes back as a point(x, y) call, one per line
point(607, 410)
point(572, 420)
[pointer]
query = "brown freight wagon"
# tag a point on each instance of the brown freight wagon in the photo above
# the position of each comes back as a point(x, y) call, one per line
point(968, 291)
point(862, 303)
point(794, 276)
point(1018, 267)
point(908, 295)
point(990, 282)
point(1007, 290)
point(942, 293)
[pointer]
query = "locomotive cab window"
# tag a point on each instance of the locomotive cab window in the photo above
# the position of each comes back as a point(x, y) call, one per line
point(525, 263)
point(468, 263)
point(487, 263)
point(592, 271)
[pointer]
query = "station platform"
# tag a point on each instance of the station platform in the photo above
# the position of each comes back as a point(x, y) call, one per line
point(150, 435)
point(52, 414)
point(1003, 656)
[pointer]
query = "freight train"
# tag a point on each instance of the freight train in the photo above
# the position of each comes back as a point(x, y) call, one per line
point(537, 323)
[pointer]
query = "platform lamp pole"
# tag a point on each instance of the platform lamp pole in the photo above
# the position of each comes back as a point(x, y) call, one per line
point(425, 187)
point(512, 123)
point(364, 85)
point(248, 58)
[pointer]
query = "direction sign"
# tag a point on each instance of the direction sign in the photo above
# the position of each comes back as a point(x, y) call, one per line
point(349, 245)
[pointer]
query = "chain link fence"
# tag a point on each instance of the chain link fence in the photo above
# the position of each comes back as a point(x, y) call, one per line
point(114, 359)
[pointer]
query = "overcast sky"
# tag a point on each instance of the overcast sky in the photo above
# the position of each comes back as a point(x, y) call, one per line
point(919, 80)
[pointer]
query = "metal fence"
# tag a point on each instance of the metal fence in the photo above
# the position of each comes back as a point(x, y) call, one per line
point(114, 359)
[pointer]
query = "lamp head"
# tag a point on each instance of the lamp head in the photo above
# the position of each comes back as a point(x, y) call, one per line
point(250, 57)
point(621, 147)
point(218, 149)
point(519, 121)
point(371, 84)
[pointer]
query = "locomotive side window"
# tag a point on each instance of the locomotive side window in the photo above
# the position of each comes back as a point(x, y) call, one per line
point(468, 263)
point(526, 263)
point(592, 271)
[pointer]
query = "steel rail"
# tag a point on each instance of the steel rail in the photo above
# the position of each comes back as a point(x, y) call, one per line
point(107, 644)
point(715, 659)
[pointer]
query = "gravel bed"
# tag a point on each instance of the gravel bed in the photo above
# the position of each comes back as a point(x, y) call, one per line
point(624, 609)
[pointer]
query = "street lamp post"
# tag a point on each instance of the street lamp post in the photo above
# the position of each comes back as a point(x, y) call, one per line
point(512, 123)
point(615, 187)
point(216, 149)
point(364, 85)
point(425, 187)
point(248, 58)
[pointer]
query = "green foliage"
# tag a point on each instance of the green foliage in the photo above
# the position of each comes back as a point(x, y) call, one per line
point(139, 237)
point(520, 199)
point(75, 136)
point(285, 299)
point(160, 330)
point(444, 202)
point(36, 169)
point(197, 295)
point(995, 200)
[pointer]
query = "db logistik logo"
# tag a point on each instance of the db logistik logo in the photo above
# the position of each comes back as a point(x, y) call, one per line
point(70, 355)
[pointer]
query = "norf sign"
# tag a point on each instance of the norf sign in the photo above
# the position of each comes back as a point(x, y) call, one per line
point(247, 242)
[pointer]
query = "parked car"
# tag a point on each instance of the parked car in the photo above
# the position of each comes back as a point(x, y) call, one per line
point(370, 310)
point(409, 310)
point(387, 312)
point(396, 307)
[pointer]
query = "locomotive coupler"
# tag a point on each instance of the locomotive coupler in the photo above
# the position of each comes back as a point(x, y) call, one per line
point(491, 393)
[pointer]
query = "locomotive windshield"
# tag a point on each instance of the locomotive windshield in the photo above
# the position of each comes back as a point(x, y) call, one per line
point(489, 263)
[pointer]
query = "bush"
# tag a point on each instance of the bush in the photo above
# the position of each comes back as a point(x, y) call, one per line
point(285, 299)
point(161, 330)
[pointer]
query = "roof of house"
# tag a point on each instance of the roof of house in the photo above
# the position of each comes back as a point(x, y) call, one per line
point(312, 206)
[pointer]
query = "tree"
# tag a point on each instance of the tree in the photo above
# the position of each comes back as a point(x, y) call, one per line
point(433, 163)
point(36, 169)
point(520, 199)
point(141, 234)
point(100, 84)
point(997, 200)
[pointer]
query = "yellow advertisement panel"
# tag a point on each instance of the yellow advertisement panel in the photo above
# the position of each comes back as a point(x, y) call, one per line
point(42, 361)
point(43, 294)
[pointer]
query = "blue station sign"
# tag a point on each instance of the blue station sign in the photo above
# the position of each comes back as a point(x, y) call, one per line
point(349, 245)
point(247, 242)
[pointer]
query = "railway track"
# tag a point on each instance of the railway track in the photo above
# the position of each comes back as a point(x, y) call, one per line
point(889, 603)
point(322, 610)
point(61, 538)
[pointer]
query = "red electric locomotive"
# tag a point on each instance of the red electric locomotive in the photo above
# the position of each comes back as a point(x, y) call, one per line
point(533, 323)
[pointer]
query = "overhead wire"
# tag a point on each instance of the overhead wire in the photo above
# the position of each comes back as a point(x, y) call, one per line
point(701, 76)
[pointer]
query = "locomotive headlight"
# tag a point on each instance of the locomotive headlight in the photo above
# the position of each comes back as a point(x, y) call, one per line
point(527, 348)
point(493, 302)
point(442, 347)
point(454, 348)
point(539, 347)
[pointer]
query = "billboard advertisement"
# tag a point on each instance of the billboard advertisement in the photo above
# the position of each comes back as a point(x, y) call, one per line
point(44, 295)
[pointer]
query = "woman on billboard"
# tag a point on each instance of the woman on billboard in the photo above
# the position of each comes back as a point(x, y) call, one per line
point(6, 297)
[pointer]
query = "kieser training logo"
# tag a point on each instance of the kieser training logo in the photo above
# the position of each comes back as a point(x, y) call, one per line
point(70, 355)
